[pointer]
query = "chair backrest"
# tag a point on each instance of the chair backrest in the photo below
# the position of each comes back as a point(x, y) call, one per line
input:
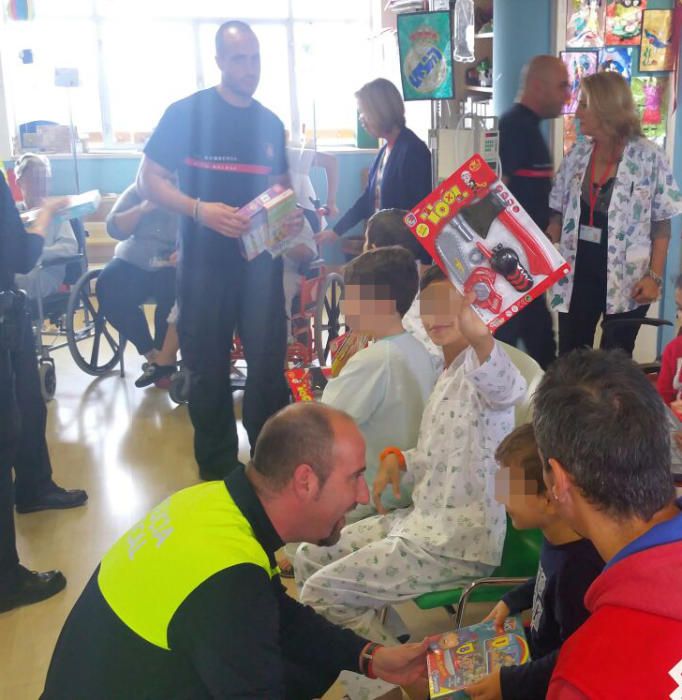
point(74, 270)
point(532, 373)
point(521, 553)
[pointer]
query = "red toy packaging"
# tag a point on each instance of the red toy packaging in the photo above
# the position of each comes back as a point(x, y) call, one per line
point(463, 657)
point(307, 383)
point(485, 242)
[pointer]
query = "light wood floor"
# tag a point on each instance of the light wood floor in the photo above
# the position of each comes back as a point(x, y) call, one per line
point(129, 448)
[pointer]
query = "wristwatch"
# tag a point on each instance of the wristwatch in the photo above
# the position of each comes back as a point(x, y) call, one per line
point(655, 277)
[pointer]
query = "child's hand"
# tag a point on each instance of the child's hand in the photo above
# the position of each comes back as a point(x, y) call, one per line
point(389, 473)
point(499, 614)
point(488, 688)
point(474, 330)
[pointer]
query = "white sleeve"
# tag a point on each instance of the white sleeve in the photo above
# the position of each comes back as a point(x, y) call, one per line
point(497, 380)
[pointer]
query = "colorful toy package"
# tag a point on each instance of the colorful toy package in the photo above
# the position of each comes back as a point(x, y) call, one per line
point(466, 655)
point(486, 243)
point(307, 383)
point(266, 231)
point(75, 206)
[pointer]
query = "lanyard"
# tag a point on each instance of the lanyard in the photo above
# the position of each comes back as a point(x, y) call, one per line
point(594, 191)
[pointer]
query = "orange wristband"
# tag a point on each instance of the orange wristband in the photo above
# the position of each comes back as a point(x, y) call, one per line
point(394, 451)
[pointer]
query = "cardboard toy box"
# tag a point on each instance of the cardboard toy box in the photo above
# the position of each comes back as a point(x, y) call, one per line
point(266, 231)
point(76, 206)
point(486, 243)
point(463, 657)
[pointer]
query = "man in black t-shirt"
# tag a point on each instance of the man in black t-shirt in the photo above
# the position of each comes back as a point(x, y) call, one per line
point(527, 171)
point(226, 148)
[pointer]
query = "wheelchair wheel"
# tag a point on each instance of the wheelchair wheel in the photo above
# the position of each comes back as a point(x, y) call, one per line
point(328, 320)
point(48, 379)
point(179, 386)
point(95, 345)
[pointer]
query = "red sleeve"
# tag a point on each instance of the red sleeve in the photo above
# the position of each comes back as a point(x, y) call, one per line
point(562, 690)
point(668, 368)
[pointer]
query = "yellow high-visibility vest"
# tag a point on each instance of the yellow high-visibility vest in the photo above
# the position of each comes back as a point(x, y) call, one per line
point(192, 535)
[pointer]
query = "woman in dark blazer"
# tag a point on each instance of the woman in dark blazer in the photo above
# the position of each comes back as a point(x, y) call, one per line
point(400, 175)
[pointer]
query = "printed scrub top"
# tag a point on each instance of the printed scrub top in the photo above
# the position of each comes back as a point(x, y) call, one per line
point(644, 191)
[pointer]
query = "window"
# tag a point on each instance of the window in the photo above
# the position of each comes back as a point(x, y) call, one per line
point(135, 57)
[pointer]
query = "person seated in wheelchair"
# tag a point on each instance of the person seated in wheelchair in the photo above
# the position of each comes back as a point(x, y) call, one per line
point(143, 268)
point(568, 566)
point(454, 529)
point(33, 174)
point(295, 263)
point(384, 386)
point(387, 227)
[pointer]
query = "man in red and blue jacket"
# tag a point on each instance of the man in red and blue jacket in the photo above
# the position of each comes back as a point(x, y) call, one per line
point(601, 429)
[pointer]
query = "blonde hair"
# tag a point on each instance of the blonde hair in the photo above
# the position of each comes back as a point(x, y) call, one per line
point(382, 102)
point(31, 161)
point(608, 95)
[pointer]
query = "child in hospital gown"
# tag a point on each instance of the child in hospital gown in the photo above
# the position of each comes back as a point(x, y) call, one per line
point(455, 528)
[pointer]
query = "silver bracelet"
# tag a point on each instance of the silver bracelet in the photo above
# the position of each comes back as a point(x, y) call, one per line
point(655, 277)
point(195, 211)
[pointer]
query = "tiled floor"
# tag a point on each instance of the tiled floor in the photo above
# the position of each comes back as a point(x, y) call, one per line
point(129, 448)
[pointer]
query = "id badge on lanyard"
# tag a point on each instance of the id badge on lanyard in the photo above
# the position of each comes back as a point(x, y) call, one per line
point(592, 233)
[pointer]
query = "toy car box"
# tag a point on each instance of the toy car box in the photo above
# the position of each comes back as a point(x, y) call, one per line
point(266, 231)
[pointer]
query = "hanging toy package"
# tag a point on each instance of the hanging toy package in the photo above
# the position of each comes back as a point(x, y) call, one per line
point(486, 243)
point(463, 31)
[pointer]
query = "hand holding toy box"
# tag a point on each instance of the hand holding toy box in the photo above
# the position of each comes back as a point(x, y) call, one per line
point(486, 243)
point(463, 657)
point(75, 206)
point(267, 213)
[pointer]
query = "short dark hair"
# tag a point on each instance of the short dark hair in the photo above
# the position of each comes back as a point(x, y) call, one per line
point(433, 274)
point(230, 24)
point(520, 449)
point(298, 434)
point(392, 268)
point(597, 414)
point(387, 227)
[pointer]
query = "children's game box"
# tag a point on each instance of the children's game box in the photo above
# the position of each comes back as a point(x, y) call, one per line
point(307, 383)
point(266, 231)
point(466, 655)
point(486, 243)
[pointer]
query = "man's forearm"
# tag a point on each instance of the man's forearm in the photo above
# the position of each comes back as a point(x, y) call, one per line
point(162, 191)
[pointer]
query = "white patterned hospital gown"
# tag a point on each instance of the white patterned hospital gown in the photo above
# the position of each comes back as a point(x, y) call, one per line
point(454, 529)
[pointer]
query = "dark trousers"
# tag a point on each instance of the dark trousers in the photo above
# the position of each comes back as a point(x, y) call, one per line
point(122, 288)
point(577, 328)
point(23, 417)
point(248, 298)
point(533, 326)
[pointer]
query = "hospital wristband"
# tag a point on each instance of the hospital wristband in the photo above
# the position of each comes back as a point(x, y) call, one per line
point(394, 451)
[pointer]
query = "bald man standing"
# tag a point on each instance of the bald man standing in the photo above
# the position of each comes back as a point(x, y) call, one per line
point(527, 170)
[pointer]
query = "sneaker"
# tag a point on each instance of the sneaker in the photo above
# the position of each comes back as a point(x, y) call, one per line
point(153, 373)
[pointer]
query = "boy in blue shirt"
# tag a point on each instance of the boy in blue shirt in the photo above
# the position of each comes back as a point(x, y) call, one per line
point(568, 565)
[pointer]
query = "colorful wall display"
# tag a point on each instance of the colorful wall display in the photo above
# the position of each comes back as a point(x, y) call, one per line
point(425, 45)
point(656, 52)
point(572, 133)
point(651, 94)
point(578, 64)
point(617, 59)
point(623, 22)
point(585, 24)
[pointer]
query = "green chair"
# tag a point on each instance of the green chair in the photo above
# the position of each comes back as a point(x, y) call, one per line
point(520, 558)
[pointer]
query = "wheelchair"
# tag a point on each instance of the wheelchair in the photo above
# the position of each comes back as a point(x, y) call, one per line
point(69, 317)
point(316, 322)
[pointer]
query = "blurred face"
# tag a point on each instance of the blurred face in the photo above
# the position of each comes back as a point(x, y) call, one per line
point(519, 496)
point(367, 309)
point(239, 62)
point(344, 488)
point(368, 120)
point(556, 91)
point(34, 184)
point(589, 123)
point(439, 305)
